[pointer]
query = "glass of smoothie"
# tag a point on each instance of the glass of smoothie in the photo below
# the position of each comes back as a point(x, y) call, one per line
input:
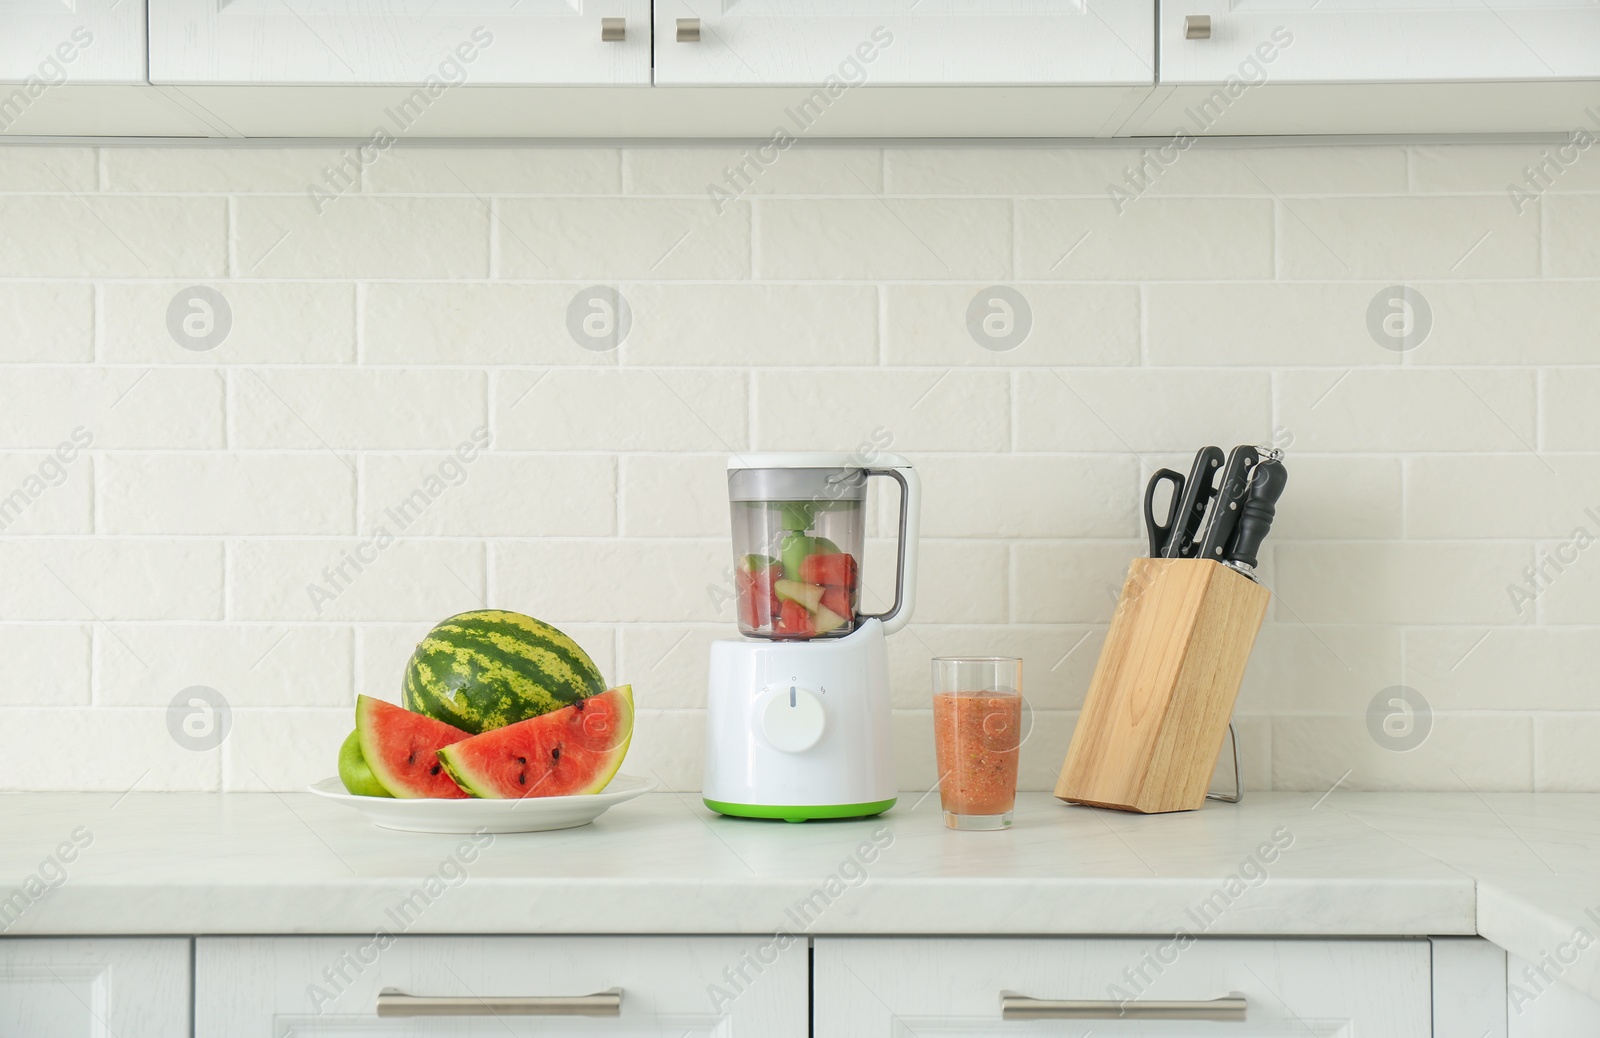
point(977, 734)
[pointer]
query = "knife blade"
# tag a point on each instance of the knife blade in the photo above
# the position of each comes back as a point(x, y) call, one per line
point(1255, 515)
point(1199, 487)
point(1225, 515)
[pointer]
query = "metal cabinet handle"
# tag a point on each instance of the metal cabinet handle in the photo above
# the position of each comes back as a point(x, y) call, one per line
point(601, 1003)
point(613, 30)
point(1197, 27)
point(688, 30)
point(1013, 1006)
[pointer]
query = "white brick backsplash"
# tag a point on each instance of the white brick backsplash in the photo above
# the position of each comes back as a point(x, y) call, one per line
point(471, 323)
point(1057, 659)
point(1006, 169)
point(1571, 250)
point(417, 168)
point(1065, 324)
point(119, 407)
point(804, 168)
point(442, 495)
point(1491, 168)
point(615, 580)
point(1029, 496)
point(621, 410)
point(1564, 757)
point(282, 322)
point(360, 236)
point(226, 171)
point(356, 409)
point(1296, 668)
point(920, 410)
point(1473, 668)
point(1151, 239)
point(354, 579)
point(1318, 170)
point(628, 238)
point(1472, 752)
point(251, 665)
point(1418, 237)
point(1338, 498)
point(669, 665)
point(1410, 583)
point(286, 748)
point(49, 665)
point(664, 495)
point(1514, 495)
point(48, 169)
point(1140, 411)
point(1568, 418)
point(1411, 410)
point(100, 750)
point(1551, 322)
point(111, 579)
point(210, 533)
point(106, 236)
point(758, 325)
point(39, 493)
point(46, 322)
point(1263, 325)
point(225, 494)
point(1069, 582)
point(841, 239)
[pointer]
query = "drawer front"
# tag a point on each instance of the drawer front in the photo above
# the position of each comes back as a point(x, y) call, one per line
point(1291, 988)
point(93, 987)
point(299, 987)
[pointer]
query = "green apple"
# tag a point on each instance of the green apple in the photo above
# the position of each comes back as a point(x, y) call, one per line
point(808, 595)
point(353, 770)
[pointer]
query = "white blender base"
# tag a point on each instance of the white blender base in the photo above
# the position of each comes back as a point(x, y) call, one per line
point(800, 730)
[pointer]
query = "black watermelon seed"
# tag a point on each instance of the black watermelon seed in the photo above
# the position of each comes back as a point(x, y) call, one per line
point(555, 754)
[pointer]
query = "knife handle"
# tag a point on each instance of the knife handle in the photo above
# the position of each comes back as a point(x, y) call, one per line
point(1255, 516)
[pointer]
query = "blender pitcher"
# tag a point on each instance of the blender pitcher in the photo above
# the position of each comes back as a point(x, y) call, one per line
point(799, 523)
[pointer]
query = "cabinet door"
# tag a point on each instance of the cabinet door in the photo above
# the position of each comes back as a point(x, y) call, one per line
point(92, 988)
point(906, 42)
point(86, 41)
point(1399, 41)
point(1539, 1007)
point(883, 987)
point(665, 987)
point(400, 42)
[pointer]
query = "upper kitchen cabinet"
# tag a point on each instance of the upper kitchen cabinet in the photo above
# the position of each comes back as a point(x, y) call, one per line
point(905, 42)
point(84, 41)
point(1358, 41)
point(399, 42)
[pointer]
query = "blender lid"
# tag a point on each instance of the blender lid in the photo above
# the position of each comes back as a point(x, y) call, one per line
point(804, 475)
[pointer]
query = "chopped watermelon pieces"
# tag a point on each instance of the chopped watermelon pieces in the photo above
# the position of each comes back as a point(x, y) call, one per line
point(838, 570)
point(800, 596)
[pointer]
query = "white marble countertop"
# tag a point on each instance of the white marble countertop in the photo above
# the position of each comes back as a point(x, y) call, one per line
point(1520, 869)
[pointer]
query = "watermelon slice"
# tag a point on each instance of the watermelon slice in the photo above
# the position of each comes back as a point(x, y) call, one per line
point(570, 751)
point(838, 569)
point(837, 600)
point(402, 749)
point(794, 622)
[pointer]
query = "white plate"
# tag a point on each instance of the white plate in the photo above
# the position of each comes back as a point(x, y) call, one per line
point(535, 814)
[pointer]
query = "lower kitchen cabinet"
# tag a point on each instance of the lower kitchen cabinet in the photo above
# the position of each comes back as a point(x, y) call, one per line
point(883, 987)
point(94, 987)
point(639, 987)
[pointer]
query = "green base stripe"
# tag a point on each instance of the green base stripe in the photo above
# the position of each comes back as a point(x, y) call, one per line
point(801, 813)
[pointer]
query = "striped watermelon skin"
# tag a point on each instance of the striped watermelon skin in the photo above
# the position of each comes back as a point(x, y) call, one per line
point(492, 667)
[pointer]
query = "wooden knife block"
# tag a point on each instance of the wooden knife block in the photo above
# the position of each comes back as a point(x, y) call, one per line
point(1158, 706)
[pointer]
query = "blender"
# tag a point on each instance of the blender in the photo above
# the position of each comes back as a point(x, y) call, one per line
point(798, 718)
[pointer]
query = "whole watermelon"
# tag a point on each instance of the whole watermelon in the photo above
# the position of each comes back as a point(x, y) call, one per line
point(491, 667)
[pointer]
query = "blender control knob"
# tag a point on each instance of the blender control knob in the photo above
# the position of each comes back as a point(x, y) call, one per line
point(793, 720)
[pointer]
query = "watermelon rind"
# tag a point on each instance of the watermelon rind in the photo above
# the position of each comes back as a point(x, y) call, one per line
point(481, 785)
point(488, 668)
point(374, 721)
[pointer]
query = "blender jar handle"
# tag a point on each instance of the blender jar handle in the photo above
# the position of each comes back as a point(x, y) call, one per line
point(905, 574)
